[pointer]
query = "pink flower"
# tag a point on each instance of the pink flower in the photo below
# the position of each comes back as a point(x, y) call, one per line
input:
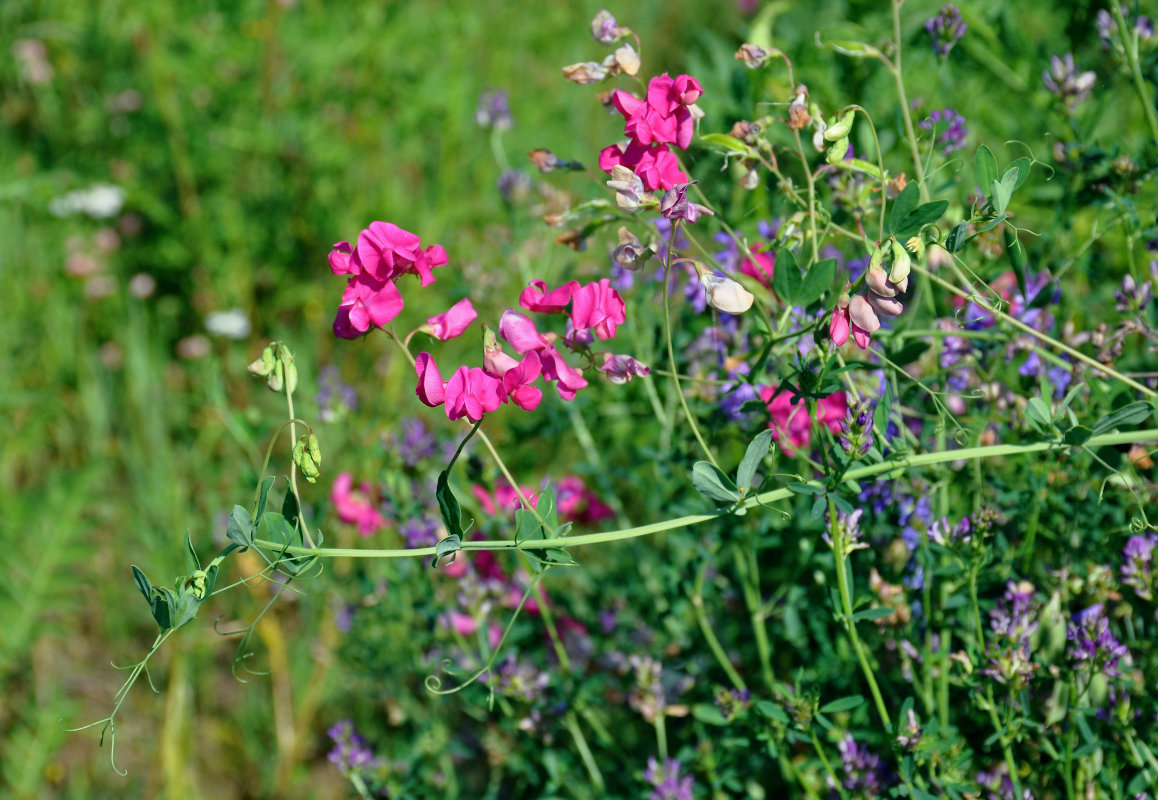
point(760, 266)
point(504, 501)
point(431, 388)
point(790, 419)
point(664, 116)
point(462, 624)
point(864, 320)
point(578, 504)
point(536, 297)
point(838, 328)
point(657, 167)
point(568, 380)
point(517, 383)
point(521, 332)
point(366, 303)
point(386, 251)
point(354, 506)
point(452, 322)
point(621, 368)
point(497, 362)
point(598, 307)
point(472, 392)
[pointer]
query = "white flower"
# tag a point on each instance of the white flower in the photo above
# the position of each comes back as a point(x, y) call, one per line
point(727, 295)
point(232, 324)
point(99, 201)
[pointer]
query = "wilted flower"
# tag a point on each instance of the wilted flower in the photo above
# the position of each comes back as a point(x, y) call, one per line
point(629, 191)
point(675, 205)
point(621, 368)
point(604, 28)
point(753, 56)
point(946, 29)
point(585, 72)
point(1065, 80)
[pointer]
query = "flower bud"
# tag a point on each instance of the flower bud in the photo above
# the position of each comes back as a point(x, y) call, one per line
point(264, 365)
point(314, 449)
point(753, 56)
point(304, 459)
point(841, 128)
point(862, 314)
point(726, 295)
point(889, 306)
point(837, 151)
point(878, 280)
point(196, 584)
point(901, 263)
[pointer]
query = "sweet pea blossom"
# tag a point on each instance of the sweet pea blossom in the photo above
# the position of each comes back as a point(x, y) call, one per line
point(431, 388)
point(366, 303)
point(354, 505)
point(621, 368)
point(536, 297)
point(598, 308)
point(663, 117)
point(517, 382)
point(521, 332)
point(452, 322)
point(656, 166)
point(790, 419)
point(472, 392)
point(726, 295)
point(675, 205)
point(568, 380)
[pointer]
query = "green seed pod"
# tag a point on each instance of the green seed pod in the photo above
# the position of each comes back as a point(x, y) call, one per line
point(305, 462)
point(840, 129)
point(277, 377)
point(291, 376)
point(837, 150)
point(314, 449)
point(878, 258)
point(901, 263)
point(264, 365)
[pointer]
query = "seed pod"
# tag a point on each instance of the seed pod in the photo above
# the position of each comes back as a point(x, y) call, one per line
point(841, 128)
point(901, 262)
point(264, 365)
point(837, 151)
point(291, 377)
point(314, 449)
point(277, 377)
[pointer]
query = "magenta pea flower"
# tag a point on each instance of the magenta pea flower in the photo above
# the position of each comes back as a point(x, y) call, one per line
point(521, 332)
point(568, 380)
point(472, 392)
point(356, 506)
point(517, 382)
point(366, 303)
point(657, 167)
point(537, 298)
point(622, 368)
point(840, 326)
point(599, 308)
point(452, 322)
point(664, 116)
point(431, 387)
point(387, 251)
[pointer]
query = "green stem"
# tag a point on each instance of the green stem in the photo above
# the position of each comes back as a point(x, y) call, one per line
point(811, 196)
point(289, 399)
point(838, 551)
point(1006, 751)
point(910, 132)
point(709, 634)
point(827, 765)
point(750, 583)
point(1130, 43)
point(661, 733)
point(592, 766)
point(764, 498)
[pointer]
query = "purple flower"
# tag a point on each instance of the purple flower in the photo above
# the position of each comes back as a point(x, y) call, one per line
point(946, 29)
point(1138, 565)
point(856, 429)
point(350, 753)
point(1012, 624)
point(1093, 647)
point(675, 205)
point(1067, 81)
point(412, 440)
point(668, 783)
point(864, 773)
point(419, 532)
point(1132, 297)
point(335, 398)
point(850, 529)
point(949, 127)
point(522, 681)
point(733, 701)
point(494, 111)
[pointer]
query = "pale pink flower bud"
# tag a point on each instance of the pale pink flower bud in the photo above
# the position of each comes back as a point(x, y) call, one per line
point(890, 306)
point(862, 314)
point(726, 295)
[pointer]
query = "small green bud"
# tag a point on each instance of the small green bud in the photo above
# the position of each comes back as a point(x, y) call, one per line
point(877, 258)
point(291, 377)
point(264, 365)
point(901, 263)
point(303, 458)
point(277, 377)
point(314, 449)
point(196, 584)
point(840, 129)
point(837, 151)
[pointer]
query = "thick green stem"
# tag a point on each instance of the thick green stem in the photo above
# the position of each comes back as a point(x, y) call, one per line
point(589, 762)
point(906, 116)
point(762, 499)
point(1130, 44)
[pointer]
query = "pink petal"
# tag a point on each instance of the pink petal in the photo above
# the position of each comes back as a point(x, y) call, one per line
point(453, 322)
point(521, 332)
point(431, 390)
point(384, 304)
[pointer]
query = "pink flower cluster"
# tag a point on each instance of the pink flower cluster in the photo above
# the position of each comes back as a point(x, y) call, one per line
point(791, 425)
point(596, 310)
point(383, 254)
point(663, 117)
point(357, 506)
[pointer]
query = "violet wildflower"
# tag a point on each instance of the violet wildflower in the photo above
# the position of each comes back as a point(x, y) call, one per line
point(910, 732)
point(849, 527)
point(419, 532)
point(733, 701)
point(668, 782)
point(864, 773)
point(949, 127)
point(412, 441)
point(1138, 565)
point(1093, 646)
point(350, 753)
point(514, 185)
point(335, 398)
point(522, 681)
point(494, 111)
point(622, 368)
point(946, 29)
point(675, 205)
point(1132, 297)
point(1012, 624)
point(1067, 81)
point(946, 535)
point(856, 429)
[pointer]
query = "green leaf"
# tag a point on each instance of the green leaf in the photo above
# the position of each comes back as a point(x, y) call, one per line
point(921, 794)
point(957, 238)
point(448, 505)
point(709, 713)
point(843, 704)
point(263, 496)
point(985, 165)
point(447, 547)
point(1003, 190)
point(192, 563)
point(920, 217)
point(904, 205)
point(711, 482)
point(816, 282)
point(769, 709)
point(909, 353)
point(753, 457)
point(786, 280)
point(1039, 414)
point(162, 607)
point(728, 145)
point(872, 614)
point(289, 507)
point(1132, 414)
point(805, 488)
point(1022, 165)
point(143, 585)
point(1077, 435)
point(240, 528)
point(818, 507)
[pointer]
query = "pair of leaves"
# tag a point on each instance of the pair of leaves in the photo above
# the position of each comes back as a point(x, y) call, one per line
point(173, 608)
point(711, 482)
point(999, 191)
point(797, 289)
point(907, 217)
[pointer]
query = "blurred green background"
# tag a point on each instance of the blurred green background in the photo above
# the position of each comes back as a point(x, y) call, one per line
point(247, 137)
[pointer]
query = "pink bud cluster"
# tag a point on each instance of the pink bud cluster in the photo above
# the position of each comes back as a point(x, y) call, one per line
point(664, 117)
point(858, 315)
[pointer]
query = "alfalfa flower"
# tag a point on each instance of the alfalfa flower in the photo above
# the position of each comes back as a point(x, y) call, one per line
point(1067, 81)
point(946, 29)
